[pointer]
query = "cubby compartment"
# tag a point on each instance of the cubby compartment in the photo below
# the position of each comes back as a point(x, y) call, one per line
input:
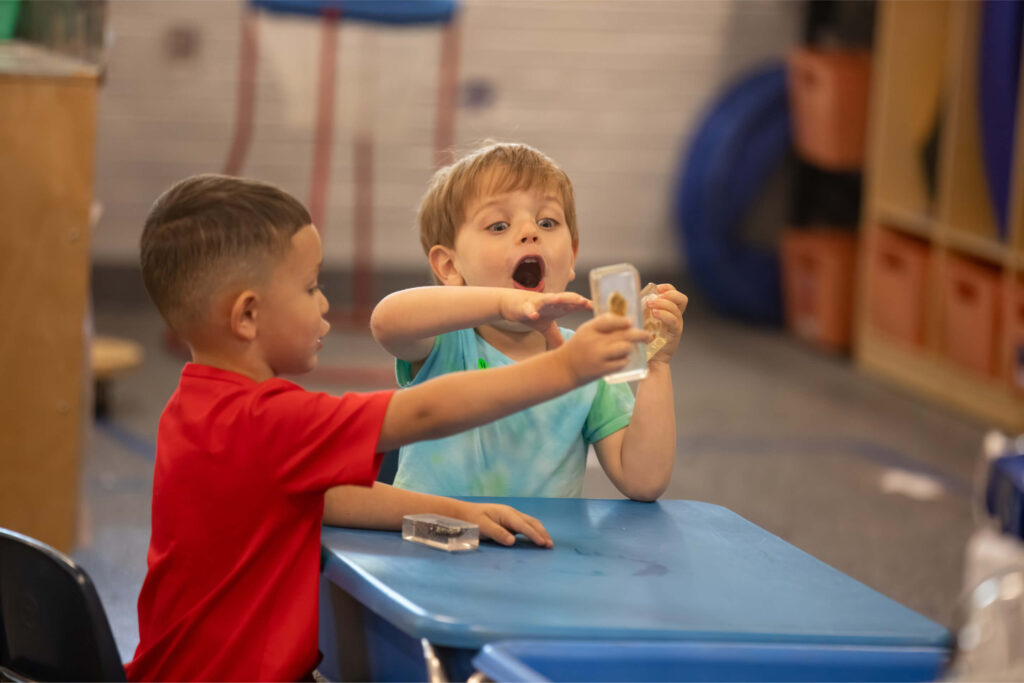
point(828, 103)
point(906, 116)
point(897, 279)
point(965, 206)
point(971, 312)
point(818, 282)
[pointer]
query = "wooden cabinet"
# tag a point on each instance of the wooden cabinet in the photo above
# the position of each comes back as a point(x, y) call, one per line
point(935, 259)
point(47, 138)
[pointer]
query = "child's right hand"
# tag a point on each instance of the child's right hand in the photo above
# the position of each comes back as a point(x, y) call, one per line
point(539, 309)
point(601, 346)
point(501, 523)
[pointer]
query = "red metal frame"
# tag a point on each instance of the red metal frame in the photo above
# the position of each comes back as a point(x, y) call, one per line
point(357, 314)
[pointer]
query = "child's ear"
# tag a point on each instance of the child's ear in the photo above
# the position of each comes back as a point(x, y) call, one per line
point(442, 262)
point(243, 315)
point(572, 266)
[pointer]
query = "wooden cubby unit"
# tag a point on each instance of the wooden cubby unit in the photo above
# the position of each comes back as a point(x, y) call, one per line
point(925, 181)
point(47, 142)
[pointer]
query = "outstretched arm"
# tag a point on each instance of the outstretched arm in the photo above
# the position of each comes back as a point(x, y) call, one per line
point(383, 506)
point(458, 401)
point(639, 458)
point(406, 322)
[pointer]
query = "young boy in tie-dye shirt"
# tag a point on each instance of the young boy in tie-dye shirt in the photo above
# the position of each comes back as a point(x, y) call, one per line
point(499, 230)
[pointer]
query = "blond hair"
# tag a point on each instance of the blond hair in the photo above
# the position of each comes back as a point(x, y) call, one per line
point(519, 167)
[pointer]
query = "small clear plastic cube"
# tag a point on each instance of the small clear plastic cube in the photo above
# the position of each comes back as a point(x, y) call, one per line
point(442, 532)
point(616, 289)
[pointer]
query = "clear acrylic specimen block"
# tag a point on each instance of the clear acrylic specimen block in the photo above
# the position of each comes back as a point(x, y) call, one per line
point(442, 532)
point(616, 289)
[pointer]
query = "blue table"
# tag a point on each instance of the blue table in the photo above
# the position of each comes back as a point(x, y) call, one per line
point(682, 661)
point(670, 571)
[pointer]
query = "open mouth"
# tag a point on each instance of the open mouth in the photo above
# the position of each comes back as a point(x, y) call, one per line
point(529, 273)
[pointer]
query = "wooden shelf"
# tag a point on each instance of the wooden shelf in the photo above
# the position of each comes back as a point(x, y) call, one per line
point(977, 246)
point(929, 373)
point(48, 109)
point(906, 220)
point(925, 177)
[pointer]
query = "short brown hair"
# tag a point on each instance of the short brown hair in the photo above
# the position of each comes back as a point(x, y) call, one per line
point(452, 187)
point(207, 229)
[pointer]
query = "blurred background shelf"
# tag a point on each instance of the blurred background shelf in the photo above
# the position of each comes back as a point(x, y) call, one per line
point(982, 247)
point(941, 299)
point(914, 222)
point(47, 134)
point(931, 375)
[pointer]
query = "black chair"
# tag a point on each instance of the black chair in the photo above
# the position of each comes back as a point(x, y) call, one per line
point(52, 624)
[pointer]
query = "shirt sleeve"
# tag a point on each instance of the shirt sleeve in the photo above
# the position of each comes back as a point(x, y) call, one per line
point(611, 411)
point(317, 440)
point(446, 356)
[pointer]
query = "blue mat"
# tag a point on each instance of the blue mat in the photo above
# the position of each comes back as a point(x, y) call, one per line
point(743, 138)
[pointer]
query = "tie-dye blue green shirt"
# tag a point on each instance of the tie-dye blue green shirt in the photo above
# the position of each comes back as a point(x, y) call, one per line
point(540, 451)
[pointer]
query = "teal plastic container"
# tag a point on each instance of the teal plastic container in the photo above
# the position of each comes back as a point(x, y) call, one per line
point(8, 18)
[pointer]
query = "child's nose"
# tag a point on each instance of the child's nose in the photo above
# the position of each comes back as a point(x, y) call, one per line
point(529, 233)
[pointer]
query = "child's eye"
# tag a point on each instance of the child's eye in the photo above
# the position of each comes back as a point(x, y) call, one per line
point(547, 223)
point(316, 288)
point(498, 227)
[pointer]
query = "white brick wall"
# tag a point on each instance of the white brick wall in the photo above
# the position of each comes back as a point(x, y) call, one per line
point(609, 88)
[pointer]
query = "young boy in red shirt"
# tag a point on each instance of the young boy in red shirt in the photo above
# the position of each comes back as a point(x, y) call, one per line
point(245, 459)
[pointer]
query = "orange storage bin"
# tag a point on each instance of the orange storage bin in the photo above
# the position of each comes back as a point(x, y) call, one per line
point(897, 281)
point(1015, 334)
point(971, 308)
point(817, 278)
point(828, 103)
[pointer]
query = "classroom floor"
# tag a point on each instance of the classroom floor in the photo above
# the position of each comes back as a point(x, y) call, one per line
point(869, 479)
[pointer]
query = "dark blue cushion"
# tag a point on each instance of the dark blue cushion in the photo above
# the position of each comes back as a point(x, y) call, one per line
point(740, 141)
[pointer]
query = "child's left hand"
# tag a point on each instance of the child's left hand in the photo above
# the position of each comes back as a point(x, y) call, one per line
point(501, 523)
point(668, 308)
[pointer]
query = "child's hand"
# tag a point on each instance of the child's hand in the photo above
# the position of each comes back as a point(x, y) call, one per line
point(540, 310)
point(501, 523)
point(601, 346)
point(668, 308)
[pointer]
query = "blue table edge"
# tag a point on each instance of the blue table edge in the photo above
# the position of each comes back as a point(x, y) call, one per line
point(416, 622)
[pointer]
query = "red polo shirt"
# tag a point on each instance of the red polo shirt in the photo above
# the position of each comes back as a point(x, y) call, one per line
point(238, 497)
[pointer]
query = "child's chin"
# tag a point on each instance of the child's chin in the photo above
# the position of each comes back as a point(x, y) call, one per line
point(302, 369)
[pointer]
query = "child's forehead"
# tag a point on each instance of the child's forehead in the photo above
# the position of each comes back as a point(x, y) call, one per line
point(499, 181)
